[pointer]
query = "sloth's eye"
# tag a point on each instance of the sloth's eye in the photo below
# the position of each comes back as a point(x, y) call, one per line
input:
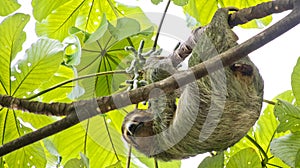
point(133, 128)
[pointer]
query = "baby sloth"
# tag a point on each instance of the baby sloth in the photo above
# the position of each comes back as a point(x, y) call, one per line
point(213, 113)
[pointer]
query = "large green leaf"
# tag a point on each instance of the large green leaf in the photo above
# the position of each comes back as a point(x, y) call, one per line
point(216, 161)
point(288, 115)
point(60, 94)
point(57, 17)
point(57, 24)
point(36, 120)
point(246, 158)
point(29, 156)
point(12, 128)
point(125, 27)
point(91, 138)
point(8, 6)
point(42, 8)
point(91, 14)
point(296, 81)
point(40, 63)
point(9, 130)
point(203, 11)
point(104, 51)
point(265, 129)
point(136, 13)
point(12, 37)
point(287, 147)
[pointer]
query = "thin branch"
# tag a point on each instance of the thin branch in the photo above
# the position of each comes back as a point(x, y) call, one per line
point(89, 108)
point(129, 157)
point(269, 102)
point(259, 11)
point(160, 25)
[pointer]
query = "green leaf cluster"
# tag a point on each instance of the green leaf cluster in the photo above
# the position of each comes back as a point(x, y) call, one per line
point(70, 46)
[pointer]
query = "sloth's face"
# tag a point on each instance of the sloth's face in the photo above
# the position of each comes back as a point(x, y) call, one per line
point(137, 130)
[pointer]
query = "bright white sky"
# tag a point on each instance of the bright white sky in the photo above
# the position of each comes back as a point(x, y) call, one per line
point(274, 60)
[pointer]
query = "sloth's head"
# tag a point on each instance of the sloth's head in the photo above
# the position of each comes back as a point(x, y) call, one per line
point(137, 130)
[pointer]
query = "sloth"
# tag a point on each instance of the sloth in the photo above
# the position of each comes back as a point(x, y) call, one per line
point(213, 112)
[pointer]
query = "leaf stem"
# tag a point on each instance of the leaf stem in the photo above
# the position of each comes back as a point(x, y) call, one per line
point(76, 79)
point(273, 165)
point(265, 160)
point(269, 102)
point(110, 139)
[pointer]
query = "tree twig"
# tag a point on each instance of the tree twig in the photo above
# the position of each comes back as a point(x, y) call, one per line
point(89, 108)
point(160, 25)
point(269, 102)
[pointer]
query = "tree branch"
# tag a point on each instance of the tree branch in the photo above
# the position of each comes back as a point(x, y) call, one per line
point(259, 11)
point(81, 110)
point(240, 17)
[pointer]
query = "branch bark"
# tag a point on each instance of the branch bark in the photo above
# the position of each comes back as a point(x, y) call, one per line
point(81, 110)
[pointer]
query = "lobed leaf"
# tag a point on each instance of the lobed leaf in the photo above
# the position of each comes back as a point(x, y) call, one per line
point(104, 51)
point(40, 63)
point(12, 37)
point(11, 128)
point(57, 24)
